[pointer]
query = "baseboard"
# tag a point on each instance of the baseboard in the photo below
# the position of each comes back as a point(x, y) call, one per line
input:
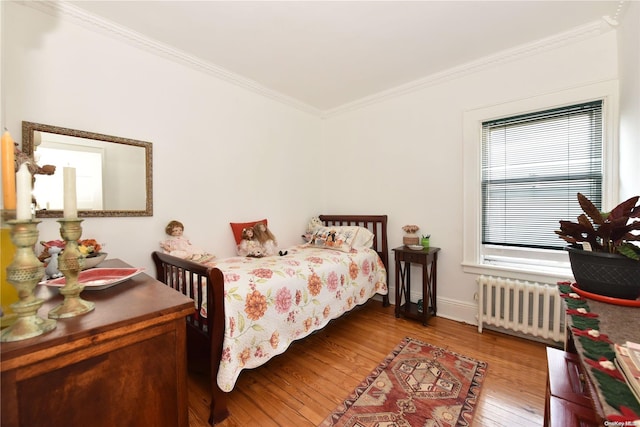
point(465, 312)
point(459, 311)
point(549, 342)
point(452, 309)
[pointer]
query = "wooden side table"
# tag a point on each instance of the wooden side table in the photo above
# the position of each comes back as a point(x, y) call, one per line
point(428, 259)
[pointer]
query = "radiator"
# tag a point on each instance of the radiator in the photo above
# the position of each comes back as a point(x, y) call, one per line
point(524, 307)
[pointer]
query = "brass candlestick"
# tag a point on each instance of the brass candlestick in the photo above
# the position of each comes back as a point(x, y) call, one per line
point(8, 292)
point(70, 264)
point(24, 272)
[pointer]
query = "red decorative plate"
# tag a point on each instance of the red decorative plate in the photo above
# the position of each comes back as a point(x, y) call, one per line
point(602, 298)
point(96, 279)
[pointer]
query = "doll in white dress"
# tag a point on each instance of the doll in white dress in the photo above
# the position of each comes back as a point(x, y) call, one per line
point(249, 245)
point(179, 246)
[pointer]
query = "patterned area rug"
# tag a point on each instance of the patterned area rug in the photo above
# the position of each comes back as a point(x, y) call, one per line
point(417, 385)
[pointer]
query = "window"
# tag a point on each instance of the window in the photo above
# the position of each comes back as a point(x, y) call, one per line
point(88, 161)
point(533, 165)
point(517, 187)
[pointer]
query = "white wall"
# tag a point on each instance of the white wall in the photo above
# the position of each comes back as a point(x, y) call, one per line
point(629, 65)
point(410, 148)
point(221, 153)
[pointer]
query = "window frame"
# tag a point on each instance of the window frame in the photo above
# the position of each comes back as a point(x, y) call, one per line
point(517, 180)
point(478, 261)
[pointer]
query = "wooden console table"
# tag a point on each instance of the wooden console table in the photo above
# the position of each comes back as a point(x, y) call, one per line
point(428, 260)
point(123, 364)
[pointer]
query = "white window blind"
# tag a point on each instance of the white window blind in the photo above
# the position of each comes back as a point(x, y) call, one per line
point(533, 165)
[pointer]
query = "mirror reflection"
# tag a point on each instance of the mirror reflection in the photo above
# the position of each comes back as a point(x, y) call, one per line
point(113, 174)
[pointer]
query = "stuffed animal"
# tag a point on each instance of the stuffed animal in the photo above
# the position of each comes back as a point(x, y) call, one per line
point(312, 226)
point(51, 270)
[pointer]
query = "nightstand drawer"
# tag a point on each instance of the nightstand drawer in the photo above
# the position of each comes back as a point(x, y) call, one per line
point(417, 257)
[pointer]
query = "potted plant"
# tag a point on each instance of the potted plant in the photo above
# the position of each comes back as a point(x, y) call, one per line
point(603, 258)
point(411, 238)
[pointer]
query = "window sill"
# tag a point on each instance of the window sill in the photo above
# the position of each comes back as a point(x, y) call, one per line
point(538, 274)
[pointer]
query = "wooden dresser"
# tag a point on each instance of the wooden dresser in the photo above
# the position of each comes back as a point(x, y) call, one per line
point(123, 364)
point(568, 402)
point(574, 396)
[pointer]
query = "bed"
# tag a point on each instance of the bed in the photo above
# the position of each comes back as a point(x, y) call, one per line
point(248, 310)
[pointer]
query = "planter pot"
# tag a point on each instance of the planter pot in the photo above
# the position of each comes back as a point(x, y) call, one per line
point(610, 275)
point(410, 239)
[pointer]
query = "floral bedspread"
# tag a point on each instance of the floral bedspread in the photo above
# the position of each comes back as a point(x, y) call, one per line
point(272, 301)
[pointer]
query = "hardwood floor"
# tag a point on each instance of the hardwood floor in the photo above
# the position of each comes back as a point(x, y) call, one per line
point(306, 383)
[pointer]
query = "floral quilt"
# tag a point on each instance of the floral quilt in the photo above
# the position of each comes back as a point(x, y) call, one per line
point(272, 301)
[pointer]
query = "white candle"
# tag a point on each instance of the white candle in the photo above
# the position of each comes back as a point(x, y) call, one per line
point(23, 193)
point(70, 202)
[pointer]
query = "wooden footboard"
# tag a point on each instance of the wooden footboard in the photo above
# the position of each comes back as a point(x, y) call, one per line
point(204, 334)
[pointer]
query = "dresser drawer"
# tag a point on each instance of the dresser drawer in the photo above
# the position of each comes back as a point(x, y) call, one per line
point(563, 413)
point(568, 402)
point(566, 379)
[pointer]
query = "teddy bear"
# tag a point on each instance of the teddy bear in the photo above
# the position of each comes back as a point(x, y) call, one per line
point(312, 226)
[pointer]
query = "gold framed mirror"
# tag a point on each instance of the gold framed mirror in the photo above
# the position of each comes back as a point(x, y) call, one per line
point(114, 174)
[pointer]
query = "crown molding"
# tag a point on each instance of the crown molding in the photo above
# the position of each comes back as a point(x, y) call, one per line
point(577, 34)
point(95, 23)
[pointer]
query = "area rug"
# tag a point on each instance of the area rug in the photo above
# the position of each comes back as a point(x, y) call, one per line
point(417, 385)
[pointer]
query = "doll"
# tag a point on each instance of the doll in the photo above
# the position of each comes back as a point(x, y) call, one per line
point(178, 245)
point(266, 239)
point(249, 245)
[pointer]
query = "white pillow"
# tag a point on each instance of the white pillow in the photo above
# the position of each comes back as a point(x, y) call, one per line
point(364, 238)
point(343, 237)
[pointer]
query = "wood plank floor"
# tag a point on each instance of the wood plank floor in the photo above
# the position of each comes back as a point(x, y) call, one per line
point(306, 383)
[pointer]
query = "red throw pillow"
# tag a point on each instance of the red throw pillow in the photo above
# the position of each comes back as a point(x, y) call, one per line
point(237, 228)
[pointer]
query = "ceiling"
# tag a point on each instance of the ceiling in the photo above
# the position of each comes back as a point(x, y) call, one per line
point(326, 54)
